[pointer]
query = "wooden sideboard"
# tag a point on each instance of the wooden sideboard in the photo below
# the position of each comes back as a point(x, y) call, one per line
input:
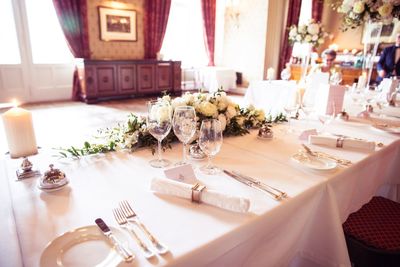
point(110, 79)
point(348, 74)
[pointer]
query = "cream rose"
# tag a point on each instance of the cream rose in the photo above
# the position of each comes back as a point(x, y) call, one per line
point(222, 120)
point(308, 38)
point(293, 32)
point(261, 115)
point(385, 10)
point(359, 7)
point(230, 112)
point(208, 109)
point(313, 28)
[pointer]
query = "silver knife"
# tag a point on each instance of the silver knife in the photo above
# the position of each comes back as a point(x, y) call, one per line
point(252, 184)
point(125, 252)
point(251, 179)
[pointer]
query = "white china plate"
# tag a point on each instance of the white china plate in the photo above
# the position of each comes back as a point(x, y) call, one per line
point(84, 246)
point(387, 128)
point(318, 164)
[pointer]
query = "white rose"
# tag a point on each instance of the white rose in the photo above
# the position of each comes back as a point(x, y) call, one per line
point(359, 7)
point(208, 109)
point(261, 115)
point(308, 38)
point(178, 102)
point(131, 139)
point(230, 112)
point(166, 98)
point(188, 97)
point(298, 38)
point(293, 32)
point(251, 107)
point(222, 105)
point(321, 40)
point(222, 120)
point(302, 29)
point(313, 28)
point(385, 10)
point(161, 113)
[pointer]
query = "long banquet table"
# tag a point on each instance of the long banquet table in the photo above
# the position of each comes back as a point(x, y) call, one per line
point(303, 230)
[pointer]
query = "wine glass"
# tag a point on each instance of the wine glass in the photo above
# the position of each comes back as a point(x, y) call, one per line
point(159, 123)
point(184, 126)
point(307, 106)
point(325, 119)
point(290, 106)
point(210, 141)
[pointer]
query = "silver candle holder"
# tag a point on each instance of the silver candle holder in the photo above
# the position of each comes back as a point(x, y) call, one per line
point(26, 170)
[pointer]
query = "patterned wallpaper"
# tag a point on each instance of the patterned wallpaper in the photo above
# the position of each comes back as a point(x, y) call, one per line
point(115, 50)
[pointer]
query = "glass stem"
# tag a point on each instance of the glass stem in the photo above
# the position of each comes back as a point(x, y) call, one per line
point(159, 150)
point(209, 164)
point(184, 153)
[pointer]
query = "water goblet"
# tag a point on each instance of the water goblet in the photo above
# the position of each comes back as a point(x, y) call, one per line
point(308, 108)
point(210, 141)
point(184, 126)
point(159, 123)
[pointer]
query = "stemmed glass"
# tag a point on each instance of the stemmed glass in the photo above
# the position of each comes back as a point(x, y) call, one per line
point(184, 126)
point(308, 108)
point(159, 123)
point(210, 141)
point(325, 119)
point(291, 106)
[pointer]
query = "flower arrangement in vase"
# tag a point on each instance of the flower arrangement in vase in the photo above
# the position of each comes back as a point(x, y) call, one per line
point(312, 33)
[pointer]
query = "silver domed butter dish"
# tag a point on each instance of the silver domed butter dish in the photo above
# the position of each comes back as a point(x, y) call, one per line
point(52, 179)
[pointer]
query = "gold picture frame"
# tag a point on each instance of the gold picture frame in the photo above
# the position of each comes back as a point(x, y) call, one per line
point(117, 24)
point(388, 33)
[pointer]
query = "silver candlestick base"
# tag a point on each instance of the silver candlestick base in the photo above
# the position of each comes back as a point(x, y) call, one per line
point(26, 170)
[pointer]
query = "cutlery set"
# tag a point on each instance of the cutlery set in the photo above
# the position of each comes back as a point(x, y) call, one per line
point(317, 154)
point(254, 183)
point(127, 219)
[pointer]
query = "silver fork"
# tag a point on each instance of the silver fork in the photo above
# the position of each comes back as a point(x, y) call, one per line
point(132, 217)
point(123, 222)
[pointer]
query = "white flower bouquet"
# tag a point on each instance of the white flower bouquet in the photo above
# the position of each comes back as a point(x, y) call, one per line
point(356, 12)
point(312, 33)
point(134, 134)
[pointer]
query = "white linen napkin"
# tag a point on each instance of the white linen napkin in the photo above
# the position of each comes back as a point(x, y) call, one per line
point(211, 197)
point(332, 141)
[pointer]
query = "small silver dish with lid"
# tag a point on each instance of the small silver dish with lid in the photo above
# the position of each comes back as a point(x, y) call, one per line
point(52, 179)
point(265, 132)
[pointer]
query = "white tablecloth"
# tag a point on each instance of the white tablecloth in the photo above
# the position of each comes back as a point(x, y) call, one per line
point(271, 96)
point(213, 78)
point(304, 230)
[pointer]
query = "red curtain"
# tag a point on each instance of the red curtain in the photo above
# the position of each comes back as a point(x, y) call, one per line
point(72, 15)
point(317, 8)
point(157, 12)
point(292, 18)
point(208, 8)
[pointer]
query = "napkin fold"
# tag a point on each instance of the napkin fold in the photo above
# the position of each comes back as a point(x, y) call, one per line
point(333, 141)
point(211, 197)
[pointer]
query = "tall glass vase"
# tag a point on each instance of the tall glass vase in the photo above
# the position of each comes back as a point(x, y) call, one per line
point(371, 44)
point(305, 60)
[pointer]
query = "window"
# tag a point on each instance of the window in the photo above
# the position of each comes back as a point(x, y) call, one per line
point(299, 50)
point(47, 40)
point(183, 39)
point(9, 50)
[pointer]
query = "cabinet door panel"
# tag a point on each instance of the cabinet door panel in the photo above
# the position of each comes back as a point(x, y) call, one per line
point(106, 82)
point(90, 89)
point(146, 81)
point(177, 77)
point(164, 79)
point(127, 79)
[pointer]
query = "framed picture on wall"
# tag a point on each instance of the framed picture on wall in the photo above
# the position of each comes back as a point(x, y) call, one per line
point(117, 24)
point(388, 33)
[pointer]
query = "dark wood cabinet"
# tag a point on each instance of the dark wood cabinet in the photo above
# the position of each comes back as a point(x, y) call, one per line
point(108, 79)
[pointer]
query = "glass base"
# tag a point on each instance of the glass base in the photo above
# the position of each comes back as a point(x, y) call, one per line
point(210, 170)
point(159, 163)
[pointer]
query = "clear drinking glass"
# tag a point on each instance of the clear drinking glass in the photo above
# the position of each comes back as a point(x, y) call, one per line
point(159, 123)
point(210, 141)
point(184, 126)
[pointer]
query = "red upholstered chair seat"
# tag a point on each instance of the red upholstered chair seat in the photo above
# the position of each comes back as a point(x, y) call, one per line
point(376, 224)
point(373, 234)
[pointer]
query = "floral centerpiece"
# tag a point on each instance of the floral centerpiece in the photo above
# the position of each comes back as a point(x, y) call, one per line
point(312, 33)
point(356, 12)
point(134, 134)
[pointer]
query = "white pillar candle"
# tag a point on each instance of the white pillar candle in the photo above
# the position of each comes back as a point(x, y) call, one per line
point(270, 74)
point(19, 132)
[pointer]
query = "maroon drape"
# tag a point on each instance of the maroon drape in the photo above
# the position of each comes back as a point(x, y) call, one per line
point(157, 13)
point(72, 15)
point(208, 10)
point(317, 8)
point(292, 18)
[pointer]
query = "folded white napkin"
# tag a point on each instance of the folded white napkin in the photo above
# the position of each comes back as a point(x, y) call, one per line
point(333, 141)
point(211, 197)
